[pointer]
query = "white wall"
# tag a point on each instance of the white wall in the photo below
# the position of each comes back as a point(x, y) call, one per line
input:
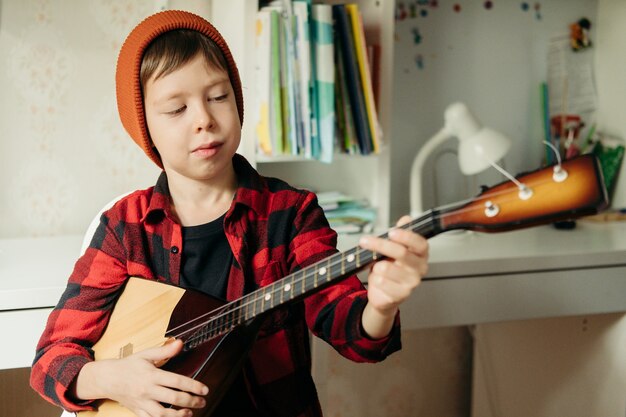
point(611, 78)
point(494, 60)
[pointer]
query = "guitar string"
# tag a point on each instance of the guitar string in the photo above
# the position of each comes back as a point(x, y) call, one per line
point(260, 294)
point(226, 309)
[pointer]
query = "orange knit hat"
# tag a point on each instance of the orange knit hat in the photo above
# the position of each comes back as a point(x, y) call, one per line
point(128, 85)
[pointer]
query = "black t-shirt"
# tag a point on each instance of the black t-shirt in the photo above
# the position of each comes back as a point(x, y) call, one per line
point(206, 258)
point(206, 263)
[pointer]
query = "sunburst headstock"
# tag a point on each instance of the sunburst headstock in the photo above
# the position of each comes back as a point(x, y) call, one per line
point(573, 190)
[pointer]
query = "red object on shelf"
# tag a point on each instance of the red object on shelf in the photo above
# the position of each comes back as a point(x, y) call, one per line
point(563, 123)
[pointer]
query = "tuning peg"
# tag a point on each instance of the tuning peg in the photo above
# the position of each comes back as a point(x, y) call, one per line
point(559, 174)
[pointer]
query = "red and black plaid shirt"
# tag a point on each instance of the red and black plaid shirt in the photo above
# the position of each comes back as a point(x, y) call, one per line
point(273, 230)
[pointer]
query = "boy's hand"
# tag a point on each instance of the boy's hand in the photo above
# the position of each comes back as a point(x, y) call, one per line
point(136, 383)
point(391, 281)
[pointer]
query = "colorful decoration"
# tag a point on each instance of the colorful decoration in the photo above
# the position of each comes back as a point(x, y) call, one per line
point(419, 61)
point(538, 11)
point(417, 36)
point(579, 34)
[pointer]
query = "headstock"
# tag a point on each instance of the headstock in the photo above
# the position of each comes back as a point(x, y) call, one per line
point(575, 189)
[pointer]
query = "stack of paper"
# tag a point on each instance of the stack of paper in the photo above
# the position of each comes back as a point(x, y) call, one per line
point(347, 214)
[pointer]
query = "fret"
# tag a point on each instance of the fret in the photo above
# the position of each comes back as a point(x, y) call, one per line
point(315, 277)
point(267, 297)
point(219, 322)
point(236, 314)
point(270, 296)
point(365, 257)
point(258, 303)
point(358, 263)
point(226, 320)
point(343, 264)
point(329, 273)
point(302, 281)
point(323, 271)
point(293, 277)
point(286, 291)
point(350, 258)
point(282, 291)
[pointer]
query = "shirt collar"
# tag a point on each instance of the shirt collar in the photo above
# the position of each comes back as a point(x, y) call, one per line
point(159, 205)
point(250, 192)
point(251, 188)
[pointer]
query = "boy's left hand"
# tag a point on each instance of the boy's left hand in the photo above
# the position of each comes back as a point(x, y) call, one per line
point(391, 281)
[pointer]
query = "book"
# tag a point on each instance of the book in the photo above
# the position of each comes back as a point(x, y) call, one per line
point(347, 214)
point(323, 40)
point(345, 39)
point(263, 81)
point(290, 80)
point(276, 105)
point(346, 136)
point(364, 71)
point(302, 15)
point(286, 74)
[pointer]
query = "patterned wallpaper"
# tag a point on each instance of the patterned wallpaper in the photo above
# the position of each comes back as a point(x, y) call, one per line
point(63, 151)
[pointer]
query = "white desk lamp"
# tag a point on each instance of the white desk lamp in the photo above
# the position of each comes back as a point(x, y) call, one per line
point(479, 147)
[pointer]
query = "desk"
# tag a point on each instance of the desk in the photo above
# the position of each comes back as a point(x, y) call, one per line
point(33, 274)
point(553, 366)
point(538, 272)
point(473, 278)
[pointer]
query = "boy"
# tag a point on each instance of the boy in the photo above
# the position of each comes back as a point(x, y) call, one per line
point(211, 223)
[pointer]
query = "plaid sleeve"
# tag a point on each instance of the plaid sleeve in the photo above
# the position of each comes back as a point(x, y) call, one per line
point(334, 314)
point(79, 319)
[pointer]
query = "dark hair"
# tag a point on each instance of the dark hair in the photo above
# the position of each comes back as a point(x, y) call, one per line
point(173, 49)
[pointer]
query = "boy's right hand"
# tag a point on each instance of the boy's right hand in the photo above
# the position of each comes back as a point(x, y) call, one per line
point(139, 385)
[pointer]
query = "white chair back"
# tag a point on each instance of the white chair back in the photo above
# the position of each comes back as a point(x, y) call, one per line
point(91, 229)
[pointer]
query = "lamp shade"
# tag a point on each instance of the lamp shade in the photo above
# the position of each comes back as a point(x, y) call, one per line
point(479, 148)
point(478, 145)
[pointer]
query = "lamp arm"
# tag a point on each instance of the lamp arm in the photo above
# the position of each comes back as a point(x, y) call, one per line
point(418, 165)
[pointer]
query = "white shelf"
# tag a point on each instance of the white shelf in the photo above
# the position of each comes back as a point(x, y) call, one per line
point(363, 176)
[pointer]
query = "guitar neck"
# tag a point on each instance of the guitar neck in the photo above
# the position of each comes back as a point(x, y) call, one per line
point(569, 190)
point(300, 284)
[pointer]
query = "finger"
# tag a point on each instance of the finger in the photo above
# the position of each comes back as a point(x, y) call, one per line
point(386, 271)
point(394, 291)
point(154, 408)
point(141, 413)
point(388, 248)
point(403, 220)
point(414, 242)
point(182, 383)
point(167, 351)
point(178, 398)
point(388, 293)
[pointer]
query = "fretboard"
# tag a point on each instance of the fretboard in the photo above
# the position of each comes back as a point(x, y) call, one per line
point(299, 285)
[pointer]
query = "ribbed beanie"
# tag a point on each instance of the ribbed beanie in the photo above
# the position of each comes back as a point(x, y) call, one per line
point(128, 85)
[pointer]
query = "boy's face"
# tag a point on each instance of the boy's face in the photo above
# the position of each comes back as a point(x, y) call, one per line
point(193, 121)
